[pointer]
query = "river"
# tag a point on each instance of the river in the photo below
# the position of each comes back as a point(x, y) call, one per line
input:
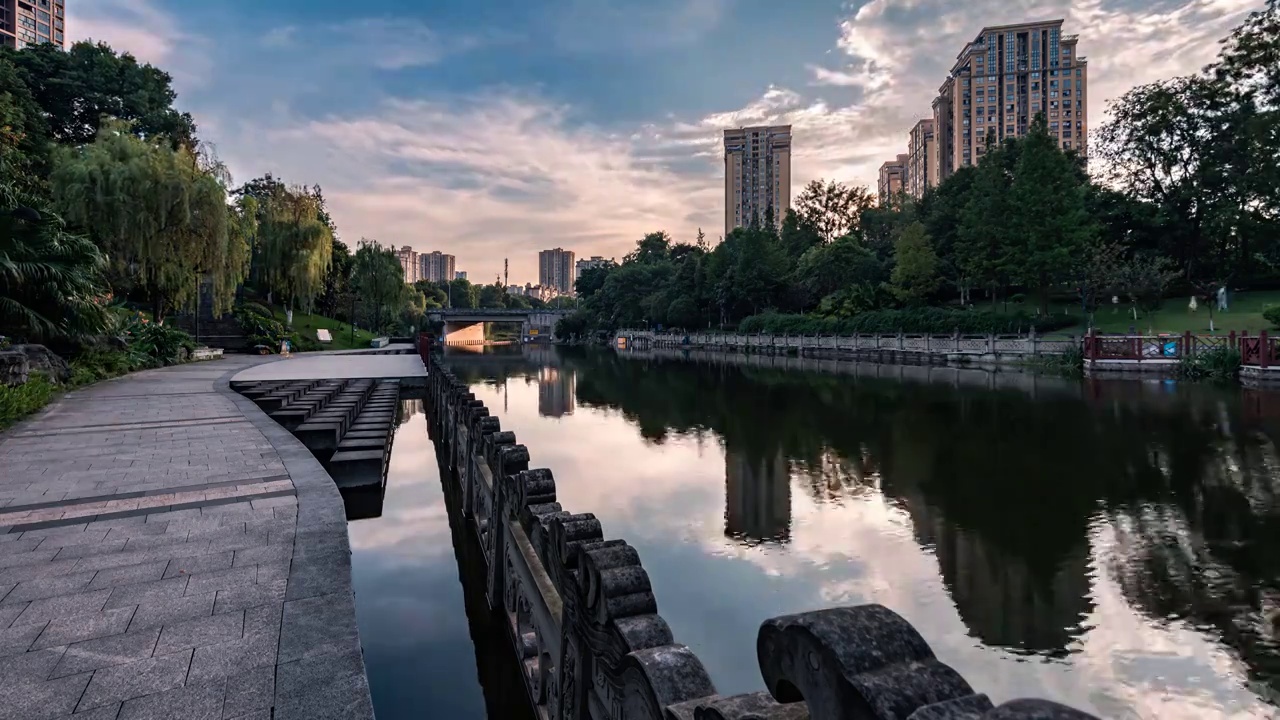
point(1114, 545)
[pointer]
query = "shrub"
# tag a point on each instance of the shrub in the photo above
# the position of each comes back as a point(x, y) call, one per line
point(914, 320)
point(1272, 315)
point(1216, 364)
point(20, 401)
point(91, 366)
point(161, 344)
point(260, 326)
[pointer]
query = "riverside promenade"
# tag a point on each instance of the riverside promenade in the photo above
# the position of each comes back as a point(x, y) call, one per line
point(169, 551)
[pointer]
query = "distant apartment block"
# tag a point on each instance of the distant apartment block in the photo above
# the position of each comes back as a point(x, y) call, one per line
point(556, 270)
point(436, 266)
point(32, 22)
point(409, 263)
point(460, 275)
point(922, 160)
point(757, 175)
point(891, 179)
point(1000, 81)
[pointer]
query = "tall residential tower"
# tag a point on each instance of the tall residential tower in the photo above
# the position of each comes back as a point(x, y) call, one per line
point(556, 270)
point(1000, 81)
point(757, 175)
point(30, 22)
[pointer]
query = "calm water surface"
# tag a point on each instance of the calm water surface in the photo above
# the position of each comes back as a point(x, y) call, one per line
point(1112, 545)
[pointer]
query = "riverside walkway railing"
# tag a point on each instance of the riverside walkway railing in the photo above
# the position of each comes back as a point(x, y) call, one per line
point(584, 622)
point(985, 347)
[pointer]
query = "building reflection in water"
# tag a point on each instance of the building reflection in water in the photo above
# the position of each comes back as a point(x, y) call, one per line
point(556, 396)
point(757, 497)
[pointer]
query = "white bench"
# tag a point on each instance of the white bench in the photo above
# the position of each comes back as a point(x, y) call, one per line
point(324, 335)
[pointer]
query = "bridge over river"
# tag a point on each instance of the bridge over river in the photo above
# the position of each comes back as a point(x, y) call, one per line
point(466, 326)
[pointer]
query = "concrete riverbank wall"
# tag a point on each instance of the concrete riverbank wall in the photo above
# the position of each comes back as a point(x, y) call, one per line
point(585, 629)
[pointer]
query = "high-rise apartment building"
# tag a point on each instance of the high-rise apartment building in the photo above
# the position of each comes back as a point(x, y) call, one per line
point(31, 22)
point(757, 175)
point(892, 177)
point(409, 262)
point(1001, 80)
point(436, 266)
point(556, 270)
point(922, 160)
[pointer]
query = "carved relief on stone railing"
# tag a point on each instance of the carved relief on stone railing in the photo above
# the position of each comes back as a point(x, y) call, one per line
point(590, 642)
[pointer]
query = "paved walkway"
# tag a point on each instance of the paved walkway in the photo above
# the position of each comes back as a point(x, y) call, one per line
point(168, 551)
point(340, 366)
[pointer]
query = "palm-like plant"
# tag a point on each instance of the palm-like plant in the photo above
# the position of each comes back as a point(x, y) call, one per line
point(51, 283)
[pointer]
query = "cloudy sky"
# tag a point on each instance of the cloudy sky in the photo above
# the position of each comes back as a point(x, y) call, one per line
point(496, 128)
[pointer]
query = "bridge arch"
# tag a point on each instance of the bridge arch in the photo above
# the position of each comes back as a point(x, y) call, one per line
point(466, 325)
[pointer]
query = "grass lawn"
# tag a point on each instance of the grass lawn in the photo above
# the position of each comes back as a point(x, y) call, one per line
point(306, 325)
point(1244, 313)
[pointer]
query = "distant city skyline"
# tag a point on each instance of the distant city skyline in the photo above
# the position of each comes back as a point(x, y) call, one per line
point(394, 113)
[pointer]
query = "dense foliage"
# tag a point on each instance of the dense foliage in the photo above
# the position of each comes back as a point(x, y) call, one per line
point(931, 320)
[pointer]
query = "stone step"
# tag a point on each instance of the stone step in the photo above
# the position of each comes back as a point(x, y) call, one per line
point(356, 468)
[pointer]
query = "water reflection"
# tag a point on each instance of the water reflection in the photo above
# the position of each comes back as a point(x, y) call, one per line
point(1107, 544)
point(757, 497)
point(431, 646)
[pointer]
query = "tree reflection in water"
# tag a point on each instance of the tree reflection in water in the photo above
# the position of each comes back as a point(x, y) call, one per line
point(1023, 496)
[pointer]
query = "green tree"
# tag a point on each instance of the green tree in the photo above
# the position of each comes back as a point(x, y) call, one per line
point(832, 209)
point(51, 284)
point(161, 217)
point(294, 248)
point(984, 237)
point(845, 263)
point(492, 296)
point(1050, 224)
point(915, 270)
point(79, 87)
point(378, 281)
point(24, 134)
point(797, 235)
point(461, 294)
point(591, 280)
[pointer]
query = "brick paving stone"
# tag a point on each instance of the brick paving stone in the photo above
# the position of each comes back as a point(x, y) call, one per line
point(89, 626)
point(192, 702)
point(197, 564)
point(200, 632)
point(107, 651)
point(121, 683)
point(115, 619)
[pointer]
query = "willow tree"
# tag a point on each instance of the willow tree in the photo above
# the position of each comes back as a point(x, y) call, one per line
point(294, 243)
point(160, 215)
point(378, 280)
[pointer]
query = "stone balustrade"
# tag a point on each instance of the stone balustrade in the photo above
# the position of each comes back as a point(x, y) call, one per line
point(932, 348)
point(591, 644)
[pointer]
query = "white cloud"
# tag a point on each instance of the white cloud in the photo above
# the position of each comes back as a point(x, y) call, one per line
point(141, 28)
point(505, 173)
point(492, 176)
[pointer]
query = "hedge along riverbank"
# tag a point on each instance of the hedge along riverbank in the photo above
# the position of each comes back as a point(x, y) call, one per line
point(933, 321)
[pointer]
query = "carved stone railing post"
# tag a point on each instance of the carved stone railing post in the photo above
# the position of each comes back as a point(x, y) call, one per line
point(590, 643)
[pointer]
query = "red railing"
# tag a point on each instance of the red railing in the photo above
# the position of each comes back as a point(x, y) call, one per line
point(1257, 350)
point(425, 341)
